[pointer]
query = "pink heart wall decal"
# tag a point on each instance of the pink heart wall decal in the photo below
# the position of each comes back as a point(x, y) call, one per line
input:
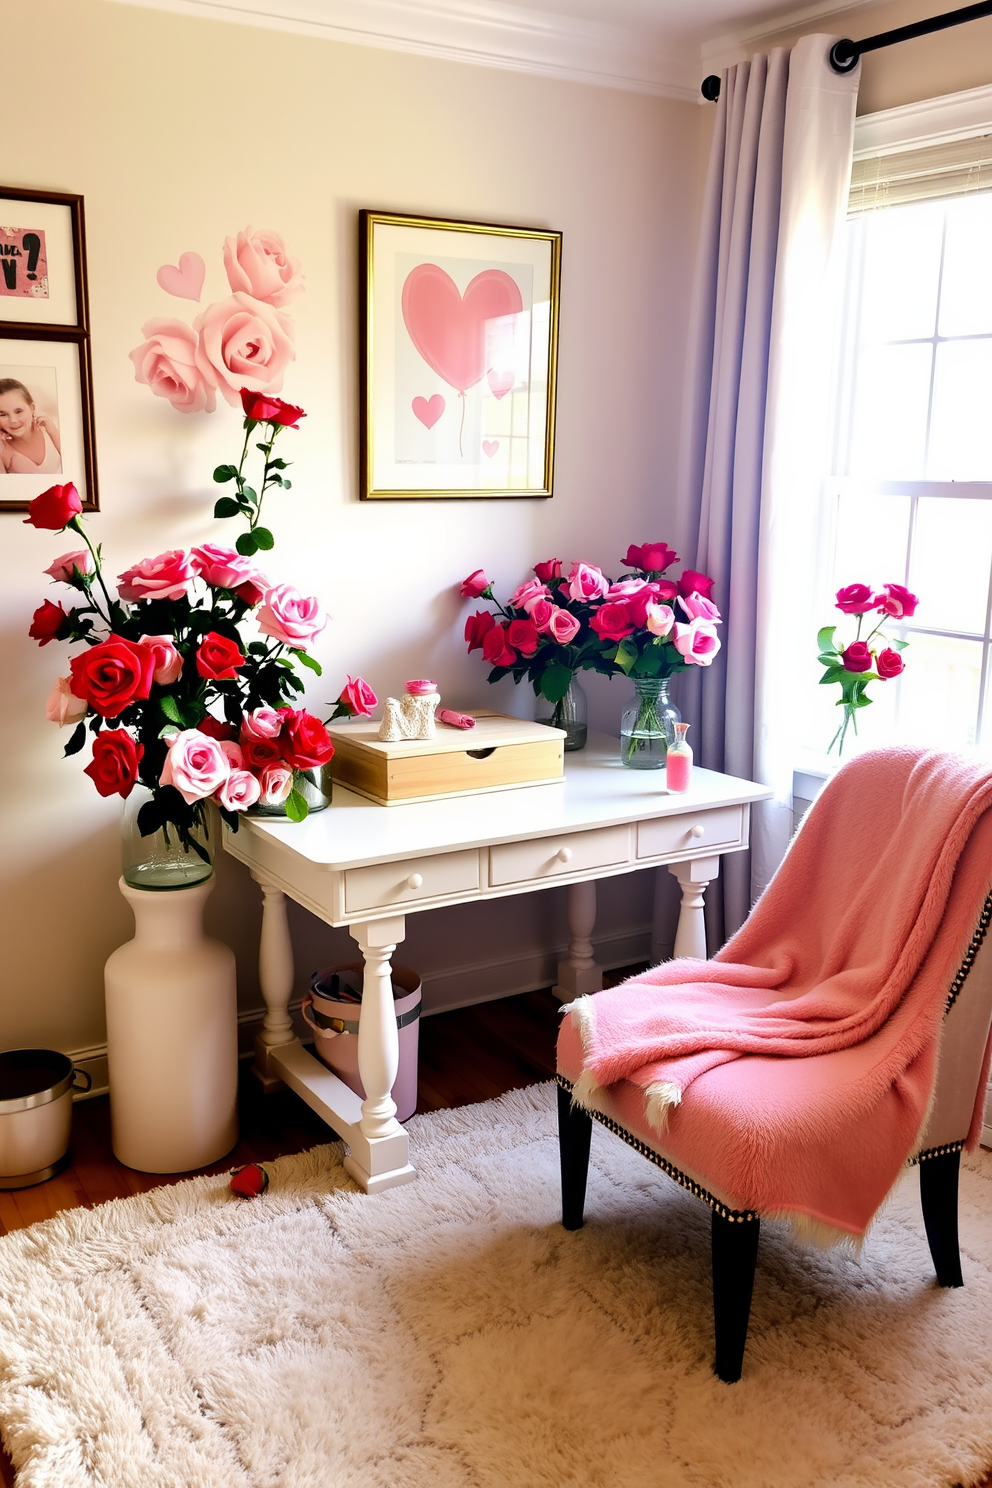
point(448, 328)
point(490, 446)
point(428, 410)
point(186, 280)
point(500, 382)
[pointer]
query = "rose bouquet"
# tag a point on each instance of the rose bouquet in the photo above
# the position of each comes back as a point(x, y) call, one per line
point(860, 661)
point(171, 693)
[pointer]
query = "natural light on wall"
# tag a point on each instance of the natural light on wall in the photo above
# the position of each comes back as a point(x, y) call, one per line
point(911, 497)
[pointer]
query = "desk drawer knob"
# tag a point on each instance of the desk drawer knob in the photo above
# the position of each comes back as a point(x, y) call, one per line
point(415, 881)
point(697, 831)
point(564, 855)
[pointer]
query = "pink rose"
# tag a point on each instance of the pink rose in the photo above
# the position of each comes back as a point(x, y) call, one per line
point(698, 608)
point(541, 611)
point(889, 664)
point(239, 791)
point(586, 582)
point(697, 642)
point(168, 662)
point(357, 697)
point(856, 599)
point(290, 617)
point(625, 588)
point(612, 622)
point(264, 723)
point(235, 754)
point(169, 576)
point(244, 344)
point(276, 782)
point(166, 362)
point(80, 560)
point(857, 657)
point(221, 568)
point(549, 569)
point(659, 619)
point(63, 705)
point(563, 626)
point(475, 585)
point(896, 601)
point(195, 764)
point(528, 593)
point(258, 264)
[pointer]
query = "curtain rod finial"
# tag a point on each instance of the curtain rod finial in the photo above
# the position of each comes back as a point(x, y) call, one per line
point(844, 56)
point(711, 88)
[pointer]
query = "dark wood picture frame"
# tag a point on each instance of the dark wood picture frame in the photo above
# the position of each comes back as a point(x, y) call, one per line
point(65, 212)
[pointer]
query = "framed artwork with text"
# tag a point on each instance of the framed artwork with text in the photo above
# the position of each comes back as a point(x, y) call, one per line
point(46, 384)
point(459, 343)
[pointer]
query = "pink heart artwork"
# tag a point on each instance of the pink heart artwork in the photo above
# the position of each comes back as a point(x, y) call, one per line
point(490, 446)
point(186, 280)
point(428, 410)
point(449, 328)
point(500, 382)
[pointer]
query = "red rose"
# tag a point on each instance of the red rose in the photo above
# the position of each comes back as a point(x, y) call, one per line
point(253, 590)
point(857, 657)
point(693, 582)
point(495, 649)
point(550, 569)
point(477, 627)
point(258, 753)
point(651, 557)
point(897, 601)
point(265, 410)
point(112, 675)
point(612, 622)
point(889, 664)
point(218, 658)
point(523, 635)
point(45, 622)
point(214, 729)
point(856, 599)
point(114, 767)
point(250, 1181)
point(475, 585)
point(665, 589)
point(54, 508)
point(304, 741)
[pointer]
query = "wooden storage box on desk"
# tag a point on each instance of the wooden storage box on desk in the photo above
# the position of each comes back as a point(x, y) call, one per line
point(498, 754)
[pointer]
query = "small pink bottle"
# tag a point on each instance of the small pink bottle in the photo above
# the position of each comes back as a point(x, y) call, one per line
point(678, 763)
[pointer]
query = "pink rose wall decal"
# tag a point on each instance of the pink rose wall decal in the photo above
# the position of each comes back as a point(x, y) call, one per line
point(186, 280)
point(428, 410)
point(448, 328)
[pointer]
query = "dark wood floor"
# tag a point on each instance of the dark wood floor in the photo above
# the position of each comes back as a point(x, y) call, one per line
point(469, 1055)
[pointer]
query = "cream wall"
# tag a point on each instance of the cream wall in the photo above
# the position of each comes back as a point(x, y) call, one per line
point(179, 132)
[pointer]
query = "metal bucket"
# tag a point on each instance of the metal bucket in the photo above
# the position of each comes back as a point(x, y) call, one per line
point(36, 1088)
point(332, 1011)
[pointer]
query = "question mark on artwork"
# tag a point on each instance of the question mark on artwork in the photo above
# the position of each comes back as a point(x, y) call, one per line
point(23, 263)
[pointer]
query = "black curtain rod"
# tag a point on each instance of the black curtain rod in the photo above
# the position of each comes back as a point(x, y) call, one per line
point(844, 55)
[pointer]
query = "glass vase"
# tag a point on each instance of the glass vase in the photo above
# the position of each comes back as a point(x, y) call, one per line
point(313, 785)
point(570, 713)
point(168, 858)
point(648, 725)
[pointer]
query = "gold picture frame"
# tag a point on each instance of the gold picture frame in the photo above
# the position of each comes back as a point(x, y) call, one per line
point(459, 358)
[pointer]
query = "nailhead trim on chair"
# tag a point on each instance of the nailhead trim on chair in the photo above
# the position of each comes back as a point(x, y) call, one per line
point(935, 1152)
point(974, 946)
point(735, 1216)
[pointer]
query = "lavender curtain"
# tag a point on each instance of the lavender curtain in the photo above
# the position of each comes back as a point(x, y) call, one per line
point(775, 192)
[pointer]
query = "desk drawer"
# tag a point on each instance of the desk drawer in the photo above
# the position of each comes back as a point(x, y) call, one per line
point(691, 832)
point(385, 884)
point(572, 852)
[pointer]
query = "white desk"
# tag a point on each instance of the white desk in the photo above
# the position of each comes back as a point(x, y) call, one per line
point(365, 867)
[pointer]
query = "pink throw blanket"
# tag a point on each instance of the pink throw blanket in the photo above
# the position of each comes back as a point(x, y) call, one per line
point(792, 1073)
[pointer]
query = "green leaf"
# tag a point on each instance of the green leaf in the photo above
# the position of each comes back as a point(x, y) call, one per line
point(246, 544)
point(263, 539)
point(833, 674)
point(278, 464)
point(225, 473)
point(825, 638)
point(828, 658)
point(248, 493)
point(308, 661)
point(287, 485)
point(555, 682)
point(226, 507)
point(626, 656)
point(76, 742)
point(898, 645)
point(296, 807)
point(170, 709)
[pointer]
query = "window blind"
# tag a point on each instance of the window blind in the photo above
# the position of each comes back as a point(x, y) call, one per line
point(943, 168)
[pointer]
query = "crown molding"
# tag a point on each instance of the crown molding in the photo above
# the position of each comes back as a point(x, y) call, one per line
point(483, 32)
point(734, 44)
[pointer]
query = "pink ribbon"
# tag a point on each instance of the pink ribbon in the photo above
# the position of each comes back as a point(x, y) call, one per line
point(456, 720)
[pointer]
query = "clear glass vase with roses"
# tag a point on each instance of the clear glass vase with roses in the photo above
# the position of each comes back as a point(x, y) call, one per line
point(856, 662)
point(185, 682)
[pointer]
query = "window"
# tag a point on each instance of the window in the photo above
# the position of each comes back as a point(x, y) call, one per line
point(910, 499)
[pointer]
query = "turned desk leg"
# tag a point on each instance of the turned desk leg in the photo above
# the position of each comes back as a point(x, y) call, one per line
point(275, 973)
point(690, 937)
point(579, 973)
point(378, 1041)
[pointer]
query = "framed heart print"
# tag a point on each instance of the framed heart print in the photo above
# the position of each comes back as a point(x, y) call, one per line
point(459, 343)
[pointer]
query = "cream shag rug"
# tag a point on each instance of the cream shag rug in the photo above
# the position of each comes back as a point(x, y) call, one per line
point(450, 1334)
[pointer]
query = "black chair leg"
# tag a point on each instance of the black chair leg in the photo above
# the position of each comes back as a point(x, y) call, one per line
point(939, 1195)
point(735, 1253)
point(574, 1137)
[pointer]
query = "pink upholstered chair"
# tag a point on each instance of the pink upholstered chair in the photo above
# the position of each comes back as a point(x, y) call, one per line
point(735, 1229)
